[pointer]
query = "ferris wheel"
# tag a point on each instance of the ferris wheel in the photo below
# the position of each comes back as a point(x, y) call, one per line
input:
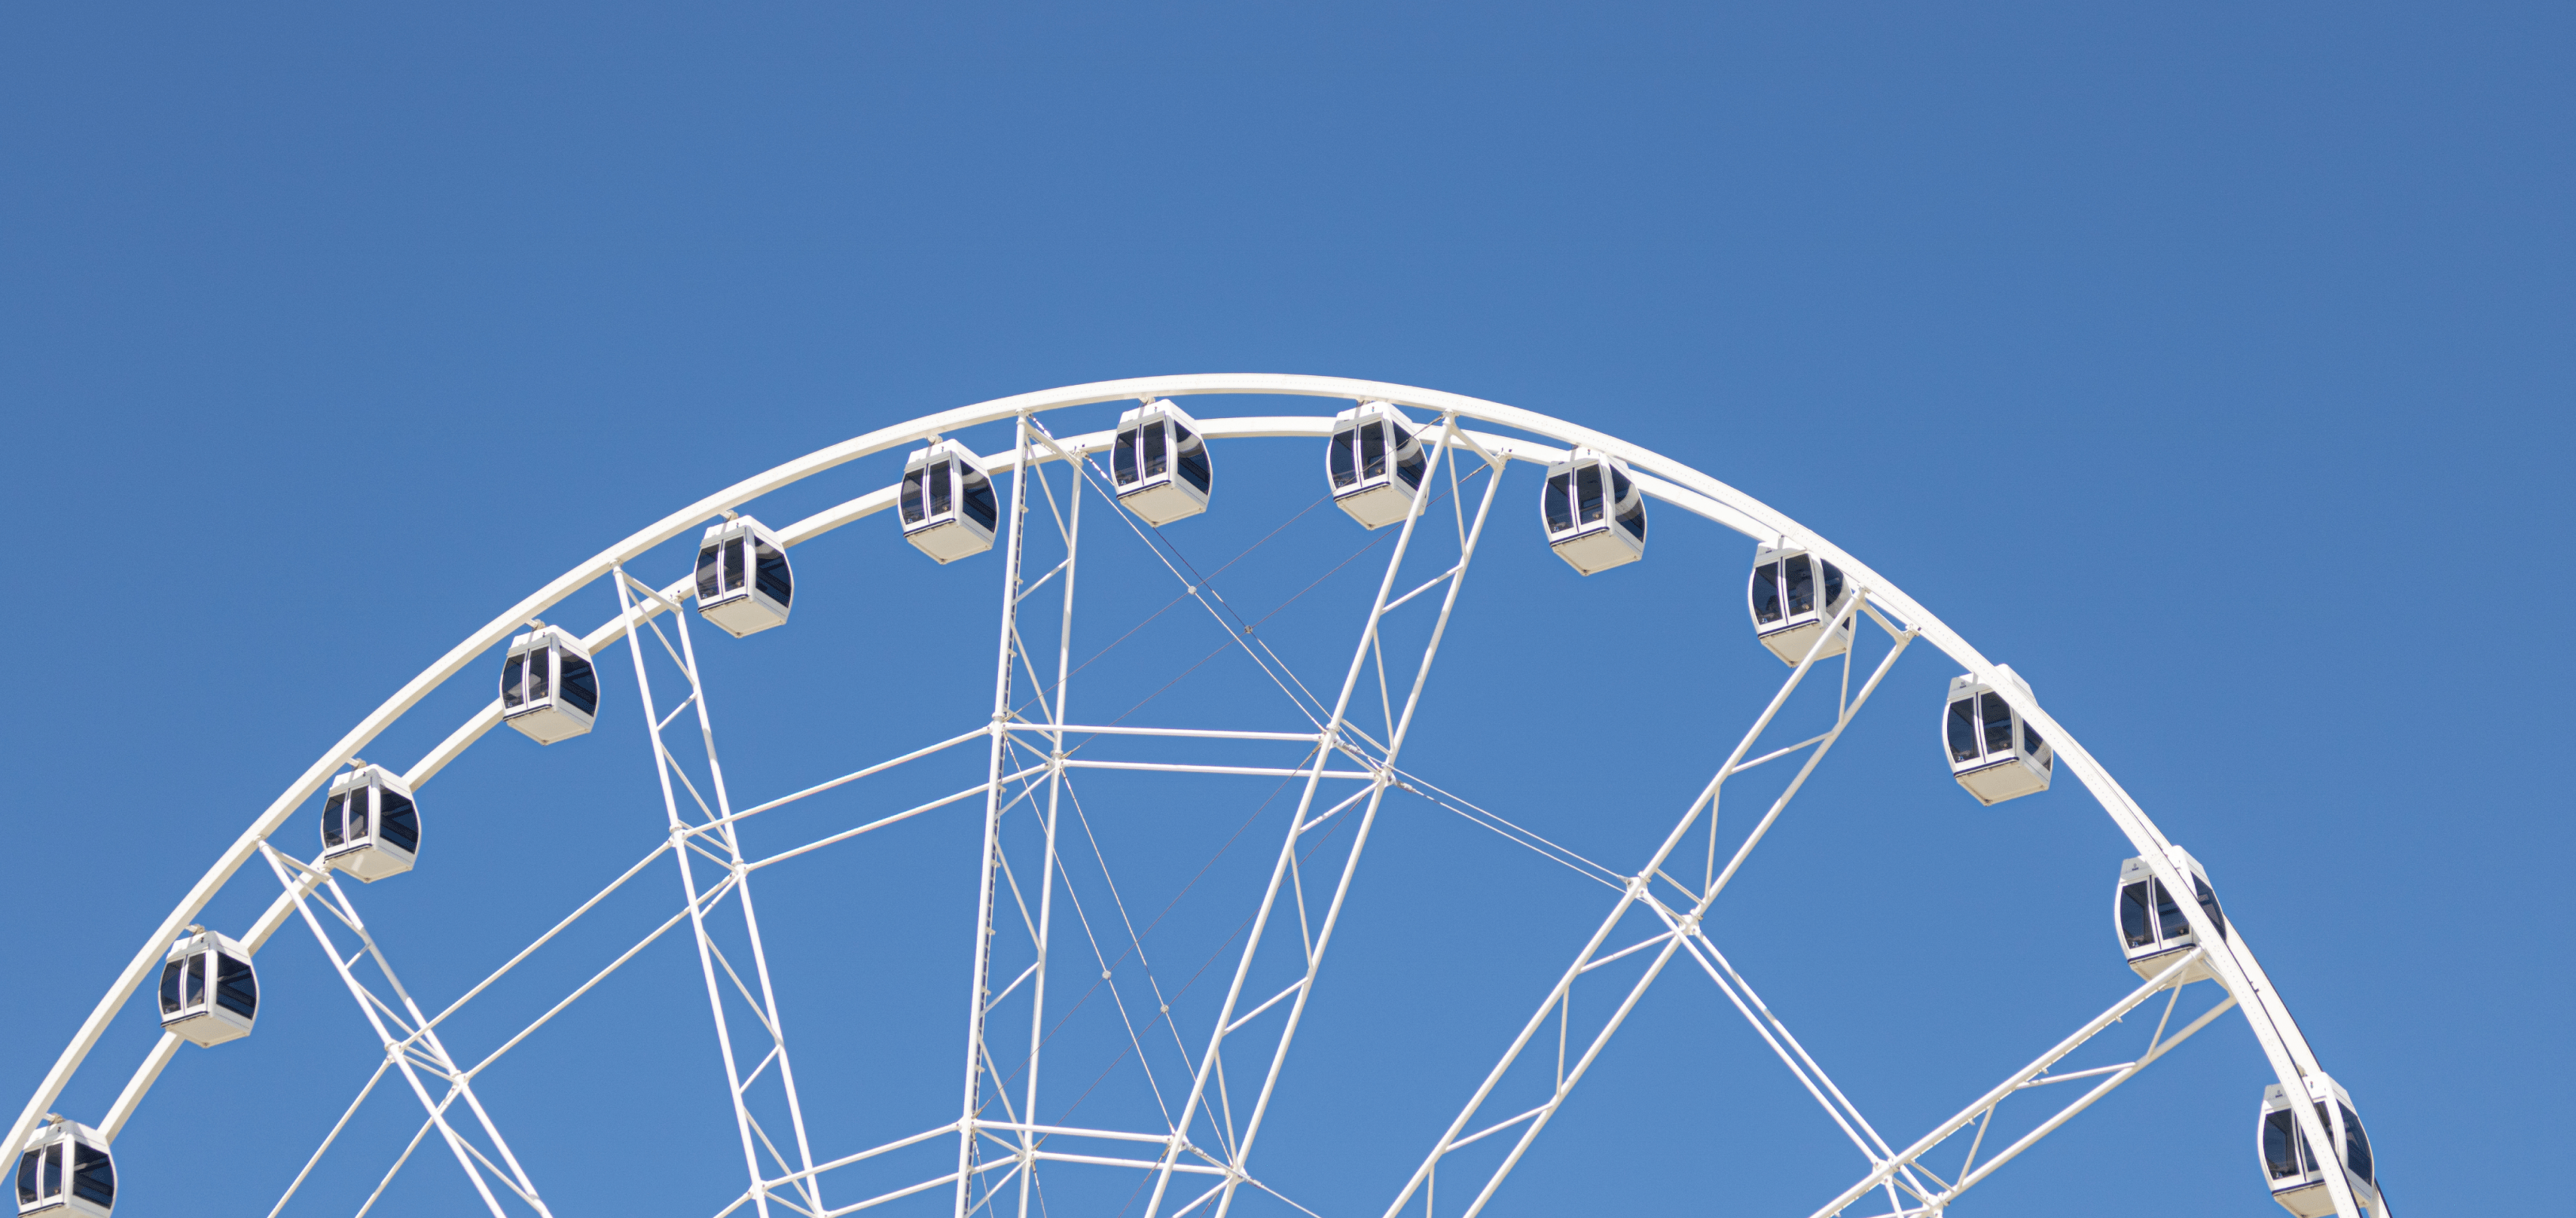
point(1417, 473)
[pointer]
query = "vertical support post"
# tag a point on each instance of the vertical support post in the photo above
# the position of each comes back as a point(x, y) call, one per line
point(681, 849)
point(808, 1182)
point(1004, 653)
point(1046, 867)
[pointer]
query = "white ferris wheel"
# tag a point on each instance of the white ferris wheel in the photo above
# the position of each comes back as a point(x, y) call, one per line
point(1054, 934)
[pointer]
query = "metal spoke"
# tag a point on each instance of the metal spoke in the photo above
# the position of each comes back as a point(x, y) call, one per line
point(1283, 869)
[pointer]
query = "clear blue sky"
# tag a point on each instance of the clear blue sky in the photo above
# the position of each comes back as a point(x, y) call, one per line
point(2211, 367)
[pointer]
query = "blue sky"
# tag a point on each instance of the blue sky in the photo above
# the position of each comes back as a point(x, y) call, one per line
point(2210, 367)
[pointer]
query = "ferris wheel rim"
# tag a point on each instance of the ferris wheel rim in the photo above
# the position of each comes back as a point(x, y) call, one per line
point(1668, 479)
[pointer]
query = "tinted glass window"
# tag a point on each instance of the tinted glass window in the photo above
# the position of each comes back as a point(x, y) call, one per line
point(2356, 1144)
point(1409, 465)
point(1998, 724)
point(1634, 520)
point(331, 835)
point(50, 1184)
point(1587, 493)
point(1833, 583)
point(1618, 486)
point(1766, 593)
point(1373, 450)
point(770, 571)
point(1122, 458)
point(399, 822)
point(1337, 458)
point(1963, 730)
point(2135, 929)
point(1799, 576)
point(27, 1176)
point(236, 988)
point(2280, 1135)
point(170, 986)
point(733, 565)
point(939, 488)
point(1193, 464)
point(980, 504)
point(192, 984)
point(510, 683)
point(1560, 517)
point(538, 670)
point(581, 683)
point(357, 822)
point(707, 573)
point(2030, 740)
point(2172, 925)
point(93, 1177)
point(1154, 441)
point(2209, 904)
point(912, 497)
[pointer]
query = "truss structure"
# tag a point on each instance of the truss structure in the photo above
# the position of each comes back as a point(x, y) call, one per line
point(1198, 1155)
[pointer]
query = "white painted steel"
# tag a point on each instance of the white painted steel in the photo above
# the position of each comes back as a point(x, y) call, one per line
point(2232, 962)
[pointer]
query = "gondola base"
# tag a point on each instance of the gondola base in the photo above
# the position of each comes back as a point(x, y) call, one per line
point(1163, 502)
point(1376, 507)
point(1791, 644)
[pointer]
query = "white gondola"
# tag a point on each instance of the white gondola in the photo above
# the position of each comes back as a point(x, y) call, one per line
point(2152, 926)
point(744, 583)
point(947, 503)
point(1594, 512)
point(1375, 464)
point(1992, 752)
point(1792, 595)
point(67, 1169)
point(370, 824)
point(2292, 1166)
point(549, 689)
point(1159, 463)
point(209, 991)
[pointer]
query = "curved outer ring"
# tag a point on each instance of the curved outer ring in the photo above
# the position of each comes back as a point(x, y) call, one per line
point(1663, 478)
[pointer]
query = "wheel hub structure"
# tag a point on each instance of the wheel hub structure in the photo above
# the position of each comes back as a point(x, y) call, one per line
point(1079, 1068)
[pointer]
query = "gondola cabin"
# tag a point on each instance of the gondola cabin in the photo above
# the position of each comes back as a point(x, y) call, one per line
point(2296, 1172)
point(947, 503)
point(1159, 463)
point(549, 689)
point(209, 992)
point(1992, 752)
point(1594, 512)
point(370, 825)
point(2153, 928)
point(744, 583)
point(1375, 464)
point(1793, 596)
point(67, 1169)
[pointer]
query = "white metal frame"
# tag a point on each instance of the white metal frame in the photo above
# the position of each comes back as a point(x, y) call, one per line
point(1786, 635)
point(1592, 546)
point(1385, 497)
point(200, 1015)
point(1163, 495)
point(373, 855)
point(953, 532)
point(554, 716)
point(747, 608)
point(411, 1041)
